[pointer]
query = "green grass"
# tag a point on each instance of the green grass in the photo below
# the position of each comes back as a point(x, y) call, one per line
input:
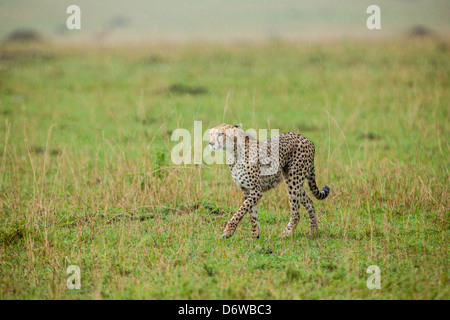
point(86, 176)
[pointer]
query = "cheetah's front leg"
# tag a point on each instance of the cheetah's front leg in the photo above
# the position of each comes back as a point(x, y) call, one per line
point(253, 216)
point(250, 202)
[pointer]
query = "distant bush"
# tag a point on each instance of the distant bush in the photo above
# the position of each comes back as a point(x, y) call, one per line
point(24, 35)
point(420, 31)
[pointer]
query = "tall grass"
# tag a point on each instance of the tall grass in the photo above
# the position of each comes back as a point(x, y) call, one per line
point(86, 176)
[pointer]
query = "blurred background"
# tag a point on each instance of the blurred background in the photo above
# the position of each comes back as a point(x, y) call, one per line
point(213, 20)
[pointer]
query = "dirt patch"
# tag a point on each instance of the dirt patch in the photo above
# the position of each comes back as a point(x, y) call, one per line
point(25, 55)
point(40, 150)
point(179, 88)
point(154, 59)
point(369, 136)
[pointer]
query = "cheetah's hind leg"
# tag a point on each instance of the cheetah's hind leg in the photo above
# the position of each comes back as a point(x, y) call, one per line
point(294, 186)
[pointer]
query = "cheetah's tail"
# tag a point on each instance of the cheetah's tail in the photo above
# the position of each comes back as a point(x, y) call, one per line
point(313, 186)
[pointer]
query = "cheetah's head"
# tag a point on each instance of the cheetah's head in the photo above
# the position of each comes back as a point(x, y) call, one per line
point(218, 135)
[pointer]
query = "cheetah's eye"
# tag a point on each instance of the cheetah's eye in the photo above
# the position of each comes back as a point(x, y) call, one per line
point(220, 133)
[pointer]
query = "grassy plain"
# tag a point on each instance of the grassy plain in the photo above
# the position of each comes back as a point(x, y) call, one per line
point(87, 179)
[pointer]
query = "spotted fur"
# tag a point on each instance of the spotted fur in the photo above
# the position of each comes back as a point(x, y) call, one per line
point(294, 165)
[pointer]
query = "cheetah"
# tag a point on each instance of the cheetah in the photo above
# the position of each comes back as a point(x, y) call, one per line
point(288, 157)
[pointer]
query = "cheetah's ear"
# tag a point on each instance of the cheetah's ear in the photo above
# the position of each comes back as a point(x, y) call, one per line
point(238, 125)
